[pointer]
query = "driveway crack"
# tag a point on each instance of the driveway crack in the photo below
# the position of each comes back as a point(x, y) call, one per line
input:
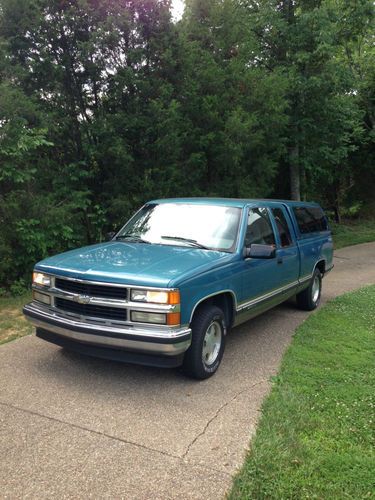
point(340, 257)
point(109, 436)
point(217, 413)
point(87, 429)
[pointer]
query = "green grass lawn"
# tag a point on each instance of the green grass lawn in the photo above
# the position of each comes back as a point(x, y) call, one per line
point(353, 232)
point(316, 436)
point(12, 321)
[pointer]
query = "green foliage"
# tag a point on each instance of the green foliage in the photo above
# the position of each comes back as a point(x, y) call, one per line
point(353, 232)
point(105, 104)
point(18, 288)
point(315, 438)
point(13, 323)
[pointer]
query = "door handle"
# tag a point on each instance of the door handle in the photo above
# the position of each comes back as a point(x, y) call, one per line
point(279, 260)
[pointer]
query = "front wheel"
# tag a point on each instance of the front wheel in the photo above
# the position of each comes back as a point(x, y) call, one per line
point(309, 299)
point(203, 357)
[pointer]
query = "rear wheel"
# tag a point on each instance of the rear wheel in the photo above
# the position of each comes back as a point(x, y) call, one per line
point(309, 299)
point(203, 357)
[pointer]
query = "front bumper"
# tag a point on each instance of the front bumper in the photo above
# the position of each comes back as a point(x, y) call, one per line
point(153, 341)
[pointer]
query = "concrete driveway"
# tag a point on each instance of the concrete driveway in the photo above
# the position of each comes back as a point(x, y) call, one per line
point(78, 427)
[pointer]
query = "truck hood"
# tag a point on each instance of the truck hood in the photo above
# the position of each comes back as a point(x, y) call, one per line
point(134, 263)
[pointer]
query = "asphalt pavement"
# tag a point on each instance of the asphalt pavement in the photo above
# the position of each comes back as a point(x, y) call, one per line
point(78, 427)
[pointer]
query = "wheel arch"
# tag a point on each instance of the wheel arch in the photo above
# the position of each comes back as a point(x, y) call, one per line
point(225, 299)
point(321, 265)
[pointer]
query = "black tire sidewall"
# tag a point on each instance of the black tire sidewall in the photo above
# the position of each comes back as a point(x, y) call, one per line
point(193, 362)
point(215, 365)
point(305, 298)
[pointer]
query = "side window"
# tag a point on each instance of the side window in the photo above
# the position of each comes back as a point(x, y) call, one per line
point(282, 227)
point(259, 229)
point(310, 219)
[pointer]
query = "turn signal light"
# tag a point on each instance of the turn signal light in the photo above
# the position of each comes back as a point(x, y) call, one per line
point(174, 298)
point(173, 319)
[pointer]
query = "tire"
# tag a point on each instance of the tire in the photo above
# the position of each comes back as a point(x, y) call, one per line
point(309, 299)
point(205, 353)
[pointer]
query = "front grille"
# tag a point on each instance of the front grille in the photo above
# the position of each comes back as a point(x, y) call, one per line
point(102, 291)
point(91, 310)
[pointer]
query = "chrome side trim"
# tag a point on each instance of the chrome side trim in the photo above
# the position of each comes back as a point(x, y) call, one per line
point(305, 278)
point(213, 295)
point(266, 296)
point(285, 288)
point(309, 276)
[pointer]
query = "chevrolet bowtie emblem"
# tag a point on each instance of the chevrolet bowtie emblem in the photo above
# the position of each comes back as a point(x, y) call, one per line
point(82, 299)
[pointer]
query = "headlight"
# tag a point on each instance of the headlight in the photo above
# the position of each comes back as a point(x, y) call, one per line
point(155, 296)
point(41, 279)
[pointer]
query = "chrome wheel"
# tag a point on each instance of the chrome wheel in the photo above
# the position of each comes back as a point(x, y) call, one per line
point(212, 343)
point(205, 353)
point(315, 289)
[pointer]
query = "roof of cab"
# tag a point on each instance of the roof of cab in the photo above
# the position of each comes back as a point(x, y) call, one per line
point(234, 202)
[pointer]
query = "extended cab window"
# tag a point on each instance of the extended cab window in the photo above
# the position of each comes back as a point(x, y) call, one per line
point(282, 227)
point(310, 219)
point(259, 229)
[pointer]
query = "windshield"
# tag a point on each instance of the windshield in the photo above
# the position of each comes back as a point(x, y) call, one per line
point(203, 226)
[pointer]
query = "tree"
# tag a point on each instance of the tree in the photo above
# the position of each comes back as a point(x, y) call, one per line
point(235, 108)
point(301, 39)
point(105, 104)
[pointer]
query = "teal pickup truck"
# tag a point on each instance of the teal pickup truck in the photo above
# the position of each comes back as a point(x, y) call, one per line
point(167, 288)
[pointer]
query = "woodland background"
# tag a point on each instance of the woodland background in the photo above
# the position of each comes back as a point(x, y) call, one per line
point(105, 104)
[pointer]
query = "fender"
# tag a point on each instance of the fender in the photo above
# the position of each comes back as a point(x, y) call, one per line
point(221, 292)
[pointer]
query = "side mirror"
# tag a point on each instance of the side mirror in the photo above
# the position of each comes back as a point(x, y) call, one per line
point(109, 236)
point(256, 251)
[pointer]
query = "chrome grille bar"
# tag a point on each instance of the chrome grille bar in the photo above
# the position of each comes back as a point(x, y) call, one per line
point(93, 306)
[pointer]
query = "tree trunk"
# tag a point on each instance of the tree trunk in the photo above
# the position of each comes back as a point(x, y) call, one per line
point(336, 209)
point(294, 172)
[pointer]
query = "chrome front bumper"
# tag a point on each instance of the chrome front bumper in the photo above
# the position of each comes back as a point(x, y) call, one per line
point(147, 340)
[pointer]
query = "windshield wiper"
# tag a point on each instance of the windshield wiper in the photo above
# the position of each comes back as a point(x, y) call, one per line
point(132, 238)
point(195, 243)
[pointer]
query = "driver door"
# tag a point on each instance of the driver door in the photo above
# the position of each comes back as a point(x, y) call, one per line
point(260, 277)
